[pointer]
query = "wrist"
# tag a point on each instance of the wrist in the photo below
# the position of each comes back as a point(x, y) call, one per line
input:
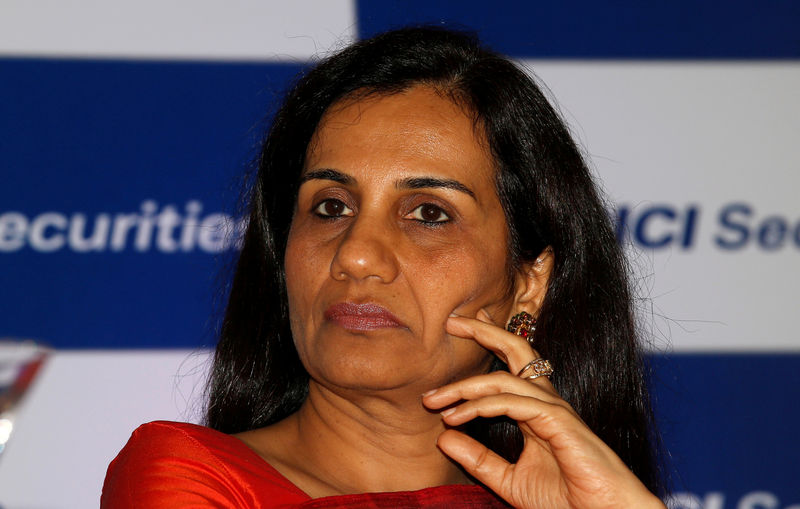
point(652, 502)
point(642, 498)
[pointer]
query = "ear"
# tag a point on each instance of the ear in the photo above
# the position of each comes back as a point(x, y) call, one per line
point(531, 283)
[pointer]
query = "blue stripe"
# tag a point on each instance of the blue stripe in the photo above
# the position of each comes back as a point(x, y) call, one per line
point(729, 422)
point(629, 29)
point(100, 138)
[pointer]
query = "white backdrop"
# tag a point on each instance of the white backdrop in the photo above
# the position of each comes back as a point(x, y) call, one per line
point(703, 136)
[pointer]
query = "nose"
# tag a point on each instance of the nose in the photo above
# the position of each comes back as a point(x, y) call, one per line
point(365, 251)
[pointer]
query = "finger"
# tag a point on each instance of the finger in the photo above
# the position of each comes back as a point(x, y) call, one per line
point(531, 372)
point(546, 420)
point(478, 386)
point(540, 380)
point(515, 351)
point(512, 349)
point(479, 461)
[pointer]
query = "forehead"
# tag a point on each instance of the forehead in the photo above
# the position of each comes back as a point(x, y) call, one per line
point(417, 131)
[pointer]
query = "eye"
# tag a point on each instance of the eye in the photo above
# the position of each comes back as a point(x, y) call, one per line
point(332, 208)
point(429, 213)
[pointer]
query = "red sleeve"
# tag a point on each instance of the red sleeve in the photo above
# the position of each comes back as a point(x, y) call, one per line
point(173, 465)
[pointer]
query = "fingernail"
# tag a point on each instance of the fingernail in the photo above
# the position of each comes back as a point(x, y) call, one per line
point(449, 411)
point(483, 316)
point(454, 315)
point(428, 393)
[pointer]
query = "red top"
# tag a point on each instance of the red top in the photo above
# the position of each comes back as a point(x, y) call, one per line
point(170, 464)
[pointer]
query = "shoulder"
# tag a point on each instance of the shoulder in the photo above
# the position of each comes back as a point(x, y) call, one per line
point(168, 464)
point(159, 443)
point(168, 436)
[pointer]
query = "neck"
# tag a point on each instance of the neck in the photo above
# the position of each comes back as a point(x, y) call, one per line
point(371, 444)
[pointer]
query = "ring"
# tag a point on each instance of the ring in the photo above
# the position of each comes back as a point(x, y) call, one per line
point(537, 367)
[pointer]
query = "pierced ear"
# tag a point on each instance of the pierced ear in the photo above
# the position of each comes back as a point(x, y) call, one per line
point(532, 281)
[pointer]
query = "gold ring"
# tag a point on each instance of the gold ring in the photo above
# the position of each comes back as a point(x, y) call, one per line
point(536, 367)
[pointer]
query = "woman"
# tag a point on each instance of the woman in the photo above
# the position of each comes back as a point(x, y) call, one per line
point(415, 193)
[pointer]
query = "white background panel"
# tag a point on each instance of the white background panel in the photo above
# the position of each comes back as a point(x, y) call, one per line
point(705, 135)
point(207, 29)
point(80, 413)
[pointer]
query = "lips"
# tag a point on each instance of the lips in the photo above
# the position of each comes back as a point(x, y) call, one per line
point(361, 317)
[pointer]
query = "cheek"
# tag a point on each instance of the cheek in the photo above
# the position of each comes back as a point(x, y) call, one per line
point(469, 279)
point(470, 275)
point(305, 269)
point(293, 268)
point(306, 262)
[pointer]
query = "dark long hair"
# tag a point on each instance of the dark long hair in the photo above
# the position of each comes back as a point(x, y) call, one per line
point(586, 325)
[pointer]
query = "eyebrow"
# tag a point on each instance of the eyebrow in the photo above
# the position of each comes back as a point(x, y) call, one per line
point(407, 183)
point(434, 182)
point(328, 174)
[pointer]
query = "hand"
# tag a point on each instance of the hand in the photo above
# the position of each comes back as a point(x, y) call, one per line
point(563, 463)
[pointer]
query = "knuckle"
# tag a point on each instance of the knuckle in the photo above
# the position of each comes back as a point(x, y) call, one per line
point(565, 405)
point(561, 412)
point(480, 463)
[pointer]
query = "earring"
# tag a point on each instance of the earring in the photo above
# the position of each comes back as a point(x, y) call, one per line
point(523, 324)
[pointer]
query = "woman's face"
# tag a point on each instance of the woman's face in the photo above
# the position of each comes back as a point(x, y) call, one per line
point(397, 226)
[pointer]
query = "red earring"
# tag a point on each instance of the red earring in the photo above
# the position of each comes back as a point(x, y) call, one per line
point(523, 324)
